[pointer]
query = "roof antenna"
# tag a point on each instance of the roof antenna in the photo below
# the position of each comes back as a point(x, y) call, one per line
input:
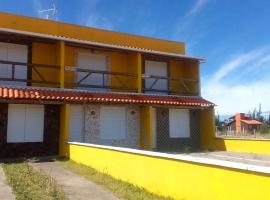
point(50, 13)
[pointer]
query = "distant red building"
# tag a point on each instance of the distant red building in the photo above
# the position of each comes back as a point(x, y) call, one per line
point(242, 123)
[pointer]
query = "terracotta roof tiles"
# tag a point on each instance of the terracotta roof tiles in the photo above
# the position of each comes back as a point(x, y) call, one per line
point(70, 95)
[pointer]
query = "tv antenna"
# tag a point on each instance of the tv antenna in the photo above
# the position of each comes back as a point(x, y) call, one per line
point(50, 13)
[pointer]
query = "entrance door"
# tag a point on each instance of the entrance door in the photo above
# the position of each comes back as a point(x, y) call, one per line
point(13, 53)
point(91, 61)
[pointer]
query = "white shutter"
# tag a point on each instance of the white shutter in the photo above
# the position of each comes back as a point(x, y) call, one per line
point(113, 122)
point(34, 123)
point(87, 60)
point(25, 123)
point(155, 68)
point(76, 124)
point(18, 53)
point(179, 123)
point(15, 53)
point(16, 123)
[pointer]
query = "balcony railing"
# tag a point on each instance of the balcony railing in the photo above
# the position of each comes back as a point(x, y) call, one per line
point(43, 74)
point(188, 86)
point(97, 79)
point(28, 73)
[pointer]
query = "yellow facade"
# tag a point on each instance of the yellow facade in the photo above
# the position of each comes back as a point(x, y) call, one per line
point(85, 33)
point(146, 127)
point(175, 178)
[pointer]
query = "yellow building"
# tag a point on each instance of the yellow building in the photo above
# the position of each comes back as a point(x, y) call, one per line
point(61, 82)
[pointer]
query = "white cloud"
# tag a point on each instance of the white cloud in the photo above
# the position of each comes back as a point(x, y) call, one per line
point(196, 7)
point(185, 22)
point(237, 93)
point(240, 97)
point(95, 20)
point(240, 61)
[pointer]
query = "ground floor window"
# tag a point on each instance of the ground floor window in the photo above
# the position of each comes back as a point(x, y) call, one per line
point(113, 122)
point(179, 125)
point(25, 123)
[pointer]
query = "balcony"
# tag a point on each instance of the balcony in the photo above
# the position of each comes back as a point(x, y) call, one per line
point(88, 79)
point(42, 75)
point(28, 74)
point(170, 85)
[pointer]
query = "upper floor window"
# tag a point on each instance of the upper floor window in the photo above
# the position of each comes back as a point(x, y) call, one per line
point(156, 74)
point(13, 53)
point(90, 71)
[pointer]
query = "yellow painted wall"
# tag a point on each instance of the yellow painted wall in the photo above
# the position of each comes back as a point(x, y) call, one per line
point(64, 130)
point(174, 178)
point(45, 54)
point(146, 127)
point(124, 63)
point(210, 141)
point(184, 69)
point(85, 33)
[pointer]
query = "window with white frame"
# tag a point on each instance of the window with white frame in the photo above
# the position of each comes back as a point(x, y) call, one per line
point(113, 122)
point(14, 53)
point(179, 123)
point(25, 123)
point(155, 68)
point(92, 61)
point(76, 123)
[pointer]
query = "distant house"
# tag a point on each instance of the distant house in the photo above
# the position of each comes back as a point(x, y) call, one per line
point(243, 123)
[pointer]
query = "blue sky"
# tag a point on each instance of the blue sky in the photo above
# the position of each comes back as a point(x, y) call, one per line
point(232, 35)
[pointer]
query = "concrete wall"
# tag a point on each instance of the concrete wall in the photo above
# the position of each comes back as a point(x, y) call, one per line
point(179, 178)
point(92, 127)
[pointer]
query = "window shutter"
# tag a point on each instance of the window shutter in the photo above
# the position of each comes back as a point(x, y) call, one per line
point(76, 124)
point(34, 123)
point(16, 123)
point(113, 122)
point(179, 123)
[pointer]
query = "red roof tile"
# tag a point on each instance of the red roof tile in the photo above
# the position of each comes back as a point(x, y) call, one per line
point(251, 122)
point(69, 95)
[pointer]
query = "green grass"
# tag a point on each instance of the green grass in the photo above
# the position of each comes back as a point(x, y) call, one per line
point(28, 184)
point(119, 188)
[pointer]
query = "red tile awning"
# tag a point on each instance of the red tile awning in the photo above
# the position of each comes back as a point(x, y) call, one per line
point(77, 96)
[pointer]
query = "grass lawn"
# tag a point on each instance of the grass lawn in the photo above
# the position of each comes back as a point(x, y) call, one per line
point(29, 184)
point(119, 188)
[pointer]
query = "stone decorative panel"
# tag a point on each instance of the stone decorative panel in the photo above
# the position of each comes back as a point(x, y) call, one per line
point(165, 143)
point(92, 127)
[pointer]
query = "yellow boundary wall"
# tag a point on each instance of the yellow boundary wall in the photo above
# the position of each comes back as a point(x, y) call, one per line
point(179, 179)
point(210, 141)
point(241, 145)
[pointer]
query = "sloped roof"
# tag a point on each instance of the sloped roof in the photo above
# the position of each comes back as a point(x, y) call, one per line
point(251, 122)
point(81, 96)
point(100, 44)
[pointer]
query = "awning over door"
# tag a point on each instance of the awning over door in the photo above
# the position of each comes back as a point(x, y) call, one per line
point(81, 96)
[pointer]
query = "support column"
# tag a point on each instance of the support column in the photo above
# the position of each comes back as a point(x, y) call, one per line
point(64, 130)
point(61, 62)
point(146, 128)
point(207, 128)
point(139, 72)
